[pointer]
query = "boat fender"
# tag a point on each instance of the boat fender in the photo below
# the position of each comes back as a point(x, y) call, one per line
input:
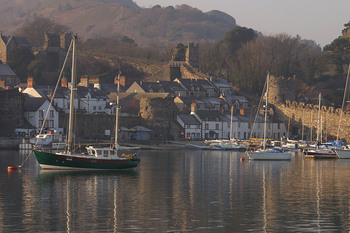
point(242, 159)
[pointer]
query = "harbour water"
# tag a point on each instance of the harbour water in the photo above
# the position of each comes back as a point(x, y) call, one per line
point(177, 191)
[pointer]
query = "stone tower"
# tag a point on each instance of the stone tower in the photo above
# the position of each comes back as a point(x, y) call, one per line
point(192, 55)
point(281, 89)
point(183, 55)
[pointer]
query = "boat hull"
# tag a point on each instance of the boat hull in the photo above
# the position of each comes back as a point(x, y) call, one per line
point(255, 155)
point(320, 154)
point(343, 154)
point(67, 162)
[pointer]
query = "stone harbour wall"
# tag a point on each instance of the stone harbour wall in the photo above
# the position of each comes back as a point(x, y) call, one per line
point(307, 114)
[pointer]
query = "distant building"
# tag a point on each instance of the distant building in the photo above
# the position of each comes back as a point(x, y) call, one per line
point(8, 78)
point(8, 44)
point(11, 111)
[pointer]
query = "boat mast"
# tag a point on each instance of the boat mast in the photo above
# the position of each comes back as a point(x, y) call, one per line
point(231, 127)
point(266, 102)
point(342, 107)
point(117, 114)
point(319, 117)
point(72, 95)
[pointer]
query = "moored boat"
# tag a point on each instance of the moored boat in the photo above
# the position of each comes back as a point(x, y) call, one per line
point(268, 153)
point(94, 157)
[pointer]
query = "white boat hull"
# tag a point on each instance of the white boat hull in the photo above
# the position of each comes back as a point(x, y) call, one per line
point(343, 154)
point(265, 155)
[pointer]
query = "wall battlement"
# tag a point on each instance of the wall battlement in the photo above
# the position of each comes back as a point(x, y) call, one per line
point(307, 114)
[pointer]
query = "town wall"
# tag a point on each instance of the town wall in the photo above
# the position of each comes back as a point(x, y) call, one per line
point(300, 114)
point(281, 89)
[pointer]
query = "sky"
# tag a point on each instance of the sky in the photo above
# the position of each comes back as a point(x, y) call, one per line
point(319, 20)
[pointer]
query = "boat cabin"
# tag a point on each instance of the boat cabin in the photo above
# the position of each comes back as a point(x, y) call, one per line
point(101, 151)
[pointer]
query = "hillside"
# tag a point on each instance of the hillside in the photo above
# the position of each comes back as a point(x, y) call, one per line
point(96, 18)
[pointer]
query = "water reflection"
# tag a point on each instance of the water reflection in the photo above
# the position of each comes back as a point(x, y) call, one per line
point(83, 196)
point(178, 191)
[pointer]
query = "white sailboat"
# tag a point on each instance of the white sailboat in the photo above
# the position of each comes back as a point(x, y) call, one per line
point(268, 153)
point(319, 151)
point(344, 152)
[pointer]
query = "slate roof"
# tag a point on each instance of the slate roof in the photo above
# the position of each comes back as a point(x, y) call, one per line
point(20, 41)
point(220, 83)
point(212, 116)
point(25, 125)
point(188, 119)
point(5, 70)
point(33, 104)
point(201, 84)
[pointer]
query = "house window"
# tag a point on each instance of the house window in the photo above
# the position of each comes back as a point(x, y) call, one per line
point(51, 123)
point(40, 123)
point(239, 124)
point(216, 126)
point(198, 126)
point(239, 134)
point(52, 115)
point(94, 108)
point(206, 126)
point(245, 135)
point(198, 135)
point(41, 113)
point(278, 126)
point(99, 108)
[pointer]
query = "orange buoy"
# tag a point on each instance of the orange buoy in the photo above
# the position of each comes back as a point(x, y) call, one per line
point(11, 168)
point(242, 159)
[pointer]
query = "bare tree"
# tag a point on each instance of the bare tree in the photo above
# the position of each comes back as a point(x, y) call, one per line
point(34, 31)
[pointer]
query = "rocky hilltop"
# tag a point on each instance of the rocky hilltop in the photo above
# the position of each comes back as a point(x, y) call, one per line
point(97, 18)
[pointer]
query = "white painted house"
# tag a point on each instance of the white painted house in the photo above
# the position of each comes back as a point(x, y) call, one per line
point(35, 111)
point(191, 126)
point(274, 130)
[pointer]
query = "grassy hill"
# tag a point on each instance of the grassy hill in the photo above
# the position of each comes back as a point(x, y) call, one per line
point(96, 18)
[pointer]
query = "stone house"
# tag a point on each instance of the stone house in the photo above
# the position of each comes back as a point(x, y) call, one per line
point(198, 87)
point(225, 89)
point(209, 104)
point(8, 44)
point(8, 78)
point(173, 88)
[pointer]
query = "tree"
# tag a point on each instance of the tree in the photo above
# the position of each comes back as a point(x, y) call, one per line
point(220, 57)
point(18, 60)
point(35, 30)
point(338, 52)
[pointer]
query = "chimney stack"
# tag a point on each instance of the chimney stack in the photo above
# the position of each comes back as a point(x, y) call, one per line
point(193, 108)
point(96, 82)
point(241, 112)
point(122, 81)
point(64, 82)
point(30, 82)
point(84, 81)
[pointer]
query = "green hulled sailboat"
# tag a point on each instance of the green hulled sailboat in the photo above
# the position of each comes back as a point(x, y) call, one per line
point(113, 157)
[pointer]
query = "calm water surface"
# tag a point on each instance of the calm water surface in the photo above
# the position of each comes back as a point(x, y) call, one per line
point(177, 191)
